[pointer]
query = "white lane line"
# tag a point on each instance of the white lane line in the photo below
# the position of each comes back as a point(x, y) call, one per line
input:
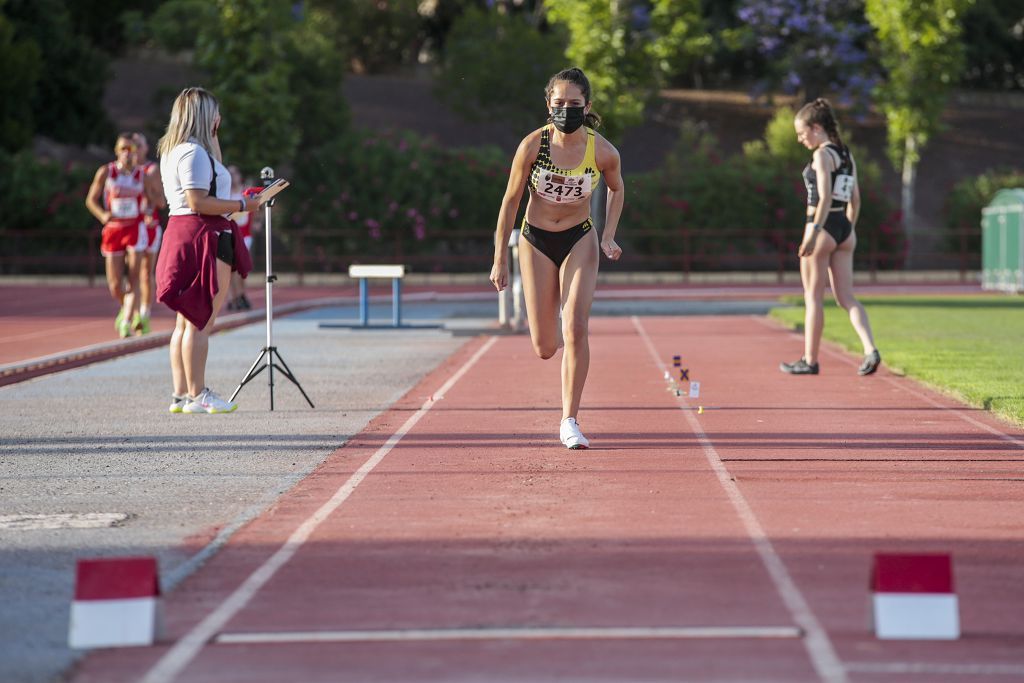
point(551, 633)
point(978, 669)
point(822, 654)
point(904, 384)
point(74, 520)
point(185, 650)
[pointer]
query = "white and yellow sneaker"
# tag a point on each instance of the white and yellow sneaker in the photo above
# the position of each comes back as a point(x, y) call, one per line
point(178, 403)
point(208, 402)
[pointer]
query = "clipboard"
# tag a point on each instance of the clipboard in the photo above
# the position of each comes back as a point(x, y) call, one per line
point(268, 192)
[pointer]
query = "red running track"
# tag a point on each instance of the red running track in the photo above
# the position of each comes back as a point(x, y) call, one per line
point(41, 320)
point(732, 545)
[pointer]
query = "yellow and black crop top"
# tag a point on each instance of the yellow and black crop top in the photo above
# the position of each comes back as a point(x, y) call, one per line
point(563, 185)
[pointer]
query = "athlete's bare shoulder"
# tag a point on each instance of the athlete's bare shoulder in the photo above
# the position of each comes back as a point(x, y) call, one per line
point(823, 159)
point(529, 148)
point(604, 152)
point(532, 140)
point(102, 172)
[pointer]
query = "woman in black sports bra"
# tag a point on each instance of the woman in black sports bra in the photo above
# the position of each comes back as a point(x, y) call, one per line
point(561, 164)
point(833, 203)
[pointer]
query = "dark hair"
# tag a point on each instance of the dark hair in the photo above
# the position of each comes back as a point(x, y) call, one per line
point(575, 76)
point(820, 112)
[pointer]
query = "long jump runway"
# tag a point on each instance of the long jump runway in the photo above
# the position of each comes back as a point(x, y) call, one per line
point(455, 539)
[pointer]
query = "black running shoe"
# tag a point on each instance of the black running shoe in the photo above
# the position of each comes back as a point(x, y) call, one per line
point(870, 364)
point(801, 367)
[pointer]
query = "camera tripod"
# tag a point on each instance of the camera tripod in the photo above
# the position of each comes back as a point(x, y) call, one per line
point(269, 353)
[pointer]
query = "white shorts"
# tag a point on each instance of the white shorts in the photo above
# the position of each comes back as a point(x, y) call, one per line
point(149, 238)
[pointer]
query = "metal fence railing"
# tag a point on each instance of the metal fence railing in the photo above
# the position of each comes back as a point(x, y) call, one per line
point(688, 251)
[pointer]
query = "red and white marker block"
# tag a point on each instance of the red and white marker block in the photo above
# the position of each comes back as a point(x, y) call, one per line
point(913, 597)
point(117, 603)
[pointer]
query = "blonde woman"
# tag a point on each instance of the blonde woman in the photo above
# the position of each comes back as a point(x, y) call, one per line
point(199, 249)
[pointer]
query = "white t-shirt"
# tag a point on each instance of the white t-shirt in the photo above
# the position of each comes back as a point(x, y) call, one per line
point(187, 167)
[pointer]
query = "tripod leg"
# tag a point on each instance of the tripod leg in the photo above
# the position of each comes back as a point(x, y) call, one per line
point(270, 379)
point(251, 374)
point(287, 372)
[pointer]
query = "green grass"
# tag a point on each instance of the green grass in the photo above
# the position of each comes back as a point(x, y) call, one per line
point(971, 347)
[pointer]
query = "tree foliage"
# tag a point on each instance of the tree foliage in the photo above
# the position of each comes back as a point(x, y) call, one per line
point(315, 55)
point(381, 34)
point(102, 23)
point(627, 49)
point(245, 52)
point(994, 40)
point(918, 44)
point(495, 66)
point(176, 23)
point(66, 99)
point(20, 57)
point(678, 36)
point(276, 66)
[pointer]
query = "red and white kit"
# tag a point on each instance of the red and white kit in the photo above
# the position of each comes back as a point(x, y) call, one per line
point(123, 194)
point(244, 222)
point(150, 232)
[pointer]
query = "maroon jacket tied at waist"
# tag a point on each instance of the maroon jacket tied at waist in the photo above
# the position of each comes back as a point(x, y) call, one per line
point(186, 270)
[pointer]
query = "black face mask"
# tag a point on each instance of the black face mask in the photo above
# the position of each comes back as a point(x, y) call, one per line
point(568, 119)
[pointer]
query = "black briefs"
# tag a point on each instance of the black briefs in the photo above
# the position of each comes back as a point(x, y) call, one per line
point(838, 225)
point(556, 245)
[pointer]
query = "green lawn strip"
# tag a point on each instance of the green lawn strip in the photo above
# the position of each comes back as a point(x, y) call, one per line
point(971, 347)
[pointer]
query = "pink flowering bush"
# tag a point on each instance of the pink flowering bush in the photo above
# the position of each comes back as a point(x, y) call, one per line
point(737, 212)
point(43, 219)
point(399, 197)
point(39, 194)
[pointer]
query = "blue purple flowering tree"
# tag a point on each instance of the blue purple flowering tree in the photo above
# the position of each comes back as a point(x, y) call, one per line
point(813, 47)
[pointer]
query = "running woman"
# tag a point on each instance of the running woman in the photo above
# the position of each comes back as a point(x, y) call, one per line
point(150, 231)
point(833, 203)
point(115, 198)
point(200, 249)
point(561, 164)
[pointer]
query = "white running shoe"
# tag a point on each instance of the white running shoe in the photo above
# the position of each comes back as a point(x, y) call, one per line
point(178, 403)
point(208, 402)
point(569, 432)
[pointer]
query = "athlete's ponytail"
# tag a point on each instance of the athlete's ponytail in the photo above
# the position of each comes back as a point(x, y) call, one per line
point(820, 112)
point(575, 76)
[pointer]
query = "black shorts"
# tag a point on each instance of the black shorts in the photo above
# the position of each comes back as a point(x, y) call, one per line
point(556, 245)
point(226, 247)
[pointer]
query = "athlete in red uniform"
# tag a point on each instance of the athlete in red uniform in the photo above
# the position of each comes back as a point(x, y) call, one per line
point(150, 231)
point(237, 300)
point(115, 199)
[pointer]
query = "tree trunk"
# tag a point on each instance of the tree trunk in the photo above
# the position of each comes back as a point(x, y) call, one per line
point(907, 198)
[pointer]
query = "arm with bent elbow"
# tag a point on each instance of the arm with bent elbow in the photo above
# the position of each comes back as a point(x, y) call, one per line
point(612, 174)
point(201, 202)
